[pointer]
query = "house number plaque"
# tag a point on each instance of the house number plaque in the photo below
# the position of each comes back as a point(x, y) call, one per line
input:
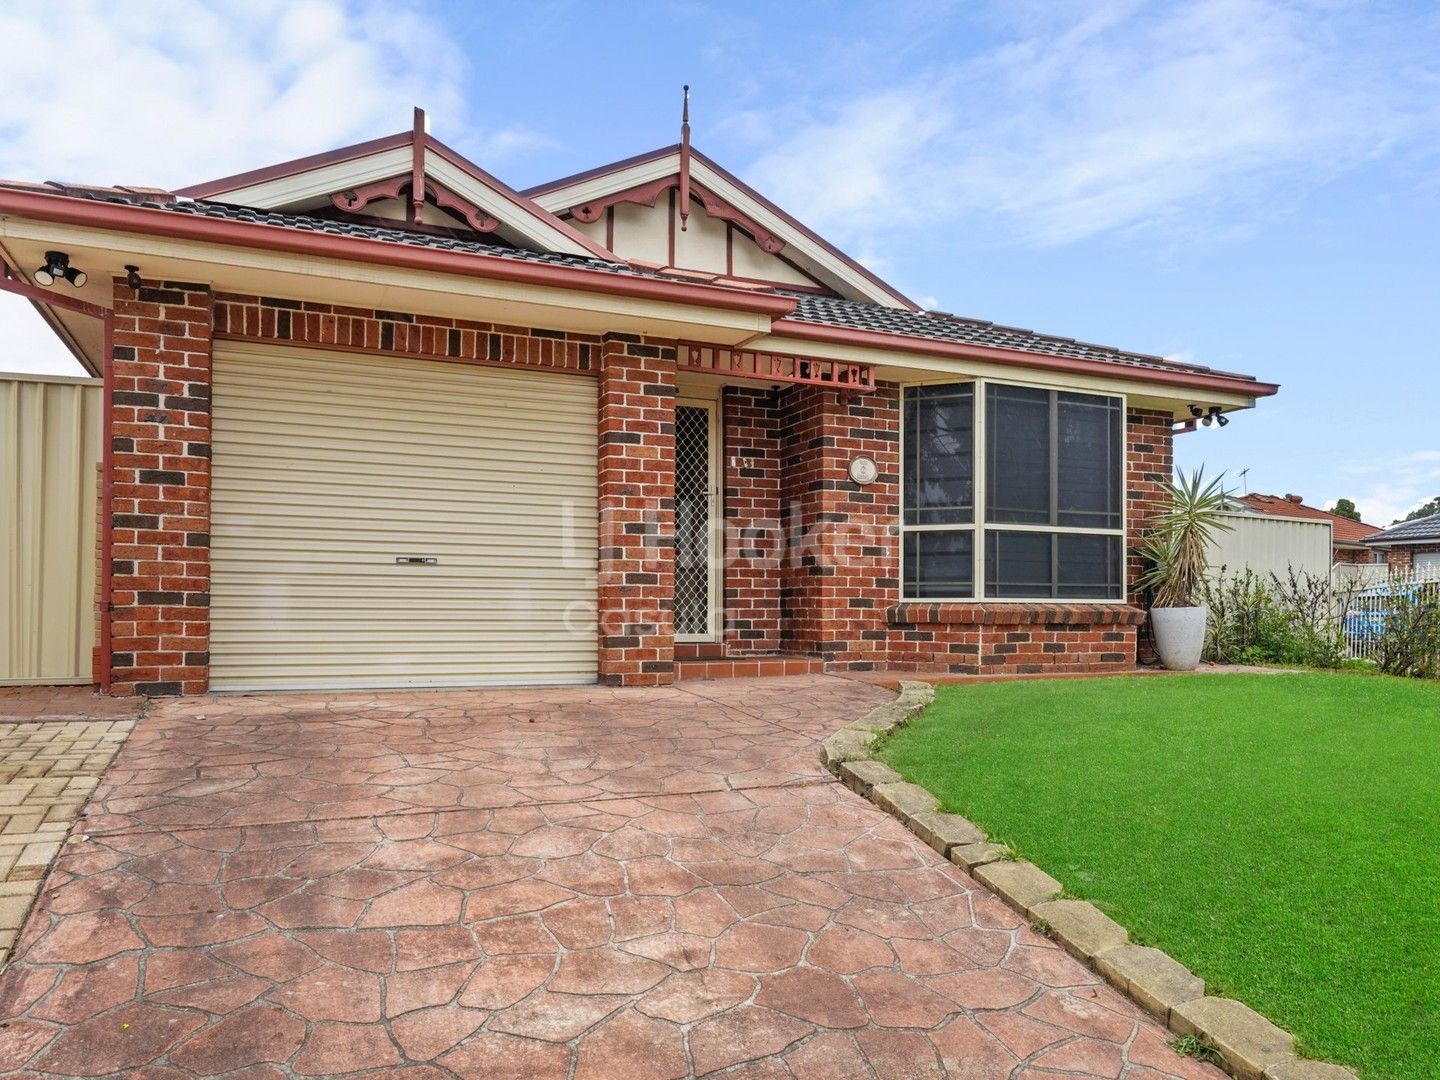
point(863, 470)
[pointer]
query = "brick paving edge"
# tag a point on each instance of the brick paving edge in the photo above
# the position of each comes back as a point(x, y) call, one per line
point(1250, 1046)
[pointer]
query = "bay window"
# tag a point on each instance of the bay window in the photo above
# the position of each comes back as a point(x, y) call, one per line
point(1026, 505)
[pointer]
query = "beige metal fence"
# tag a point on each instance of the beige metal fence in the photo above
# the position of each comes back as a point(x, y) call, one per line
point(1275, 545)
point(49, 450)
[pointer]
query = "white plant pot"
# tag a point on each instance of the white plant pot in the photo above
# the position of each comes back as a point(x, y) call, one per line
point(1179, 635)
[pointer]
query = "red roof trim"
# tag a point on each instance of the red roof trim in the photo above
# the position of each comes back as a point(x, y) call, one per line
point(653, 155)
point(873, 339)
point(417, 138)
point(1345, 530)
point(528, 205)
point(153, 222)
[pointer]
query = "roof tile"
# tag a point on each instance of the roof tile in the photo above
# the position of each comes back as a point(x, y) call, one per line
point(941, 326)
point(1421, 529)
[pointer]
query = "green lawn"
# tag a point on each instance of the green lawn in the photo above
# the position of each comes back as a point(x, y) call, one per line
point(1278, 834)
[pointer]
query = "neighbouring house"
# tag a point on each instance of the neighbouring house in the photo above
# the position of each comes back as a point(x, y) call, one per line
point(373, 418)
point(1410, 545)
point(1347, 536)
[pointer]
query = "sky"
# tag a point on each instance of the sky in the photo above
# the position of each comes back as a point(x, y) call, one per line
point(1252, 185)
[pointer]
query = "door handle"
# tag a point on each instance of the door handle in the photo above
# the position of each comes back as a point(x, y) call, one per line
point(416, 560)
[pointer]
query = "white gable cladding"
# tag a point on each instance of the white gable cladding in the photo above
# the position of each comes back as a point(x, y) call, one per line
point(805, 252)
point(311, 189)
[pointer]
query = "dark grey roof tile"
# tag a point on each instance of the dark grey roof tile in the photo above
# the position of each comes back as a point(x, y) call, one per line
point(1421, 529)
point(942, 326)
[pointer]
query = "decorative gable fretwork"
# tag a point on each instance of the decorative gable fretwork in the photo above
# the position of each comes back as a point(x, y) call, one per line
point(355, 200)
point(770, 367)
point(648, 194)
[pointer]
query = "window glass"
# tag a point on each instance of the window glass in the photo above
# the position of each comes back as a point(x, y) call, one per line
point(1017, 437)
point(940, 455)
point(1053, 460)
point(1018, 565)
point(1090, 566)
point(1087, 460)
point(939, 564)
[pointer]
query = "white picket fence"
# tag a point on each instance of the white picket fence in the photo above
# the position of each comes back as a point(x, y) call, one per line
point(1365, 614)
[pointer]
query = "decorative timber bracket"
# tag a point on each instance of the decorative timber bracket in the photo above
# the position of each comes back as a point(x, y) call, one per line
point(355, 200)
point(774, 367)
point(715, 207)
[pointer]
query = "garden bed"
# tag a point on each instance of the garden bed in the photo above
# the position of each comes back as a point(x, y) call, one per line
point(1277, 835)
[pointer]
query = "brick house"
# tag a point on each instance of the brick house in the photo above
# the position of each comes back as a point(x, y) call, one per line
point(1410, 545)
point(376, 419)
point(1347, 536)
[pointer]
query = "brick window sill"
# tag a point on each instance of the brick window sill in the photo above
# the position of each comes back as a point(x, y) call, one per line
point(1022, 614)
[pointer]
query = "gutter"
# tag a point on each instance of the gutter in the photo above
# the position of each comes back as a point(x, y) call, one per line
point(67, 210)
point(872, 339)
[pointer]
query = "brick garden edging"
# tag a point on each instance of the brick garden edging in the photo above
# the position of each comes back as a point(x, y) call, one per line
point(1251, 1047)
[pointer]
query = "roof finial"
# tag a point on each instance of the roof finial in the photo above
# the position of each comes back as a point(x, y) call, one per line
point(685, 162)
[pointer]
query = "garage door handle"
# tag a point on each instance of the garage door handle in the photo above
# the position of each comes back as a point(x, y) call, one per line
point(416, 560)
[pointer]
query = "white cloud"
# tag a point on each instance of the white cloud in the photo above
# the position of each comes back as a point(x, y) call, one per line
point(1099, 118)
point(1389, 488)
point(170, 93)
point(173, 93)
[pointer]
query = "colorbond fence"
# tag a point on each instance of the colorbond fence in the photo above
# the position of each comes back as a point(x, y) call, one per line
point(49, 450)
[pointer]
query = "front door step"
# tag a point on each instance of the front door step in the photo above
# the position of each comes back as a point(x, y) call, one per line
point(748, 667)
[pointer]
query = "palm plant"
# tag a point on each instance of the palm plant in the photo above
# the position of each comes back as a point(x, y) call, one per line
point(1176, 543)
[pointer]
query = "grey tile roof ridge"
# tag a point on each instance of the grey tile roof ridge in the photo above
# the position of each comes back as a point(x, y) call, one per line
point(943, 326)
point(1426, 528)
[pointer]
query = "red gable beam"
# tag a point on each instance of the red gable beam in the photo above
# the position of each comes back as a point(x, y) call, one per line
point(774, 367)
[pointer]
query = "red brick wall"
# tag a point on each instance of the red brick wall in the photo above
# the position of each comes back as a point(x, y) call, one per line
point(637, 512)
point(754, 531)
point(1019, 639)
point(841, 592)
point(160, 513)
point(1149, 466)
point(1402, 558)
point(1353, 555)
point(254, 318)
point(842, 563)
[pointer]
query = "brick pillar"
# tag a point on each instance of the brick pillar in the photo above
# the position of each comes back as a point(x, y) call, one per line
point(842, 564)
point(637, 512)
point(1149, 466)
point(160, 436)
point(754, 530)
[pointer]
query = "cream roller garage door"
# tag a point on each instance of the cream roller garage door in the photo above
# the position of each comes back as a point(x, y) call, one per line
point(332, 468)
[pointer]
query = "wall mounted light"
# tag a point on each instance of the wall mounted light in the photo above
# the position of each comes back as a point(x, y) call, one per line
point(57, 266)
point(132, 276)
point(1217, 416)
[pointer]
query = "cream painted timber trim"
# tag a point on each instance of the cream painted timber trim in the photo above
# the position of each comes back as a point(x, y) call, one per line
point(306, 187)
point(799, 248)
point(914, 369)
point(301, 277)
point(309, 189)
point(512, 216)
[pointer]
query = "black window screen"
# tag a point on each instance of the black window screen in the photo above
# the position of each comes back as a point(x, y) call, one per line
point(940, 455)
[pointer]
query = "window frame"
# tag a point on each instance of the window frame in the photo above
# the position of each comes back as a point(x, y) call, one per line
point(980, 526)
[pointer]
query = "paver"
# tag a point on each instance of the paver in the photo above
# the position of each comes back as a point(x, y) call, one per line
point(552, 882)
point(51, 757)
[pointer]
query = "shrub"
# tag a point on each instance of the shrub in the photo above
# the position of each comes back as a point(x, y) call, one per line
point(1410, 642)
point(1292, 620)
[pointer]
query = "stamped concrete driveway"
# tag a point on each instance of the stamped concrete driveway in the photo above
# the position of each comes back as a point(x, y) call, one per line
point(539, 883)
